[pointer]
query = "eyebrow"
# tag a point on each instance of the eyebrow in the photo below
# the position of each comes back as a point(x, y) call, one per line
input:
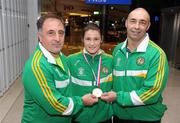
point(139, 20)
point(58, 30)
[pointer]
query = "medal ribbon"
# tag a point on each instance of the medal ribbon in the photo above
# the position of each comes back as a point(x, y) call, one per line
point(99, 69)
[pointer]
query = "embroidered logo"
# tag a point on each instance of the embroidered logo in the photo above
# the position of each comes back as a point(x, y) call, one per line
point(105, 70)
point(81, 71)
point(140, 61)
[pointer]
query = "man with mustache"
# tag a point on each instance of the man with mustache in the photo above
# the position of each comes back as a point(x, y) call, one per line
point(46, 78)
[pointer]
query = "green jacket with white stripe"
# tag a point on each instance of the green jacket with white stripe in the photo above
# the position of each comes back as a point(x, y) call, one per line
point(45, 89)
point(139, 79)
point(83, 82)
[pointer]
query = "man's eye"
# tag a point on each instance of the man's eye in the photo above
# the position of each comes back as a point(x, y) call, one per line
point(142, 23)
point(51, 33)
point(133, 21)
point(61, 32)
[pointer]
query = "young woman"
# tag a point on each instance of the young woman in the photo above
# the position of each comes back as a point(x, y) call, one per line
point(91, 73)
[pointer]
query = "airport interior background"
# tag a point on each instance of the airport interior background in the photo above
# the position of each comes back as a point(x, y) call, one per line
point(18, 40)
point(111, 18)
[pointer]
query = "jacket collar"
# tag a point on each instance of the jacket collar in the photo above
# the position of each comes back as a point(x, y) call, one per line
point(47, 54)
point(142, 46)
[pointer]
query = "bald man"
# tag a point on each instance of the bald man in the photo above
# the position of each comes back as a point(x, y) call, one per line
point(140, 72)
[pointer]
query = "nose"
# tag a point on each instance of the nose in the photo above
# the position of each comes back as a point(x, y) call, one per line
point(137, 25)
point(57, 37)
point(91, 42)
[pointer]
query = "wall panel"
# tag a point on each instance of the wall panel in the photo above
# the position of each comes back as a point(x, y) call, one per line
point(13, 41)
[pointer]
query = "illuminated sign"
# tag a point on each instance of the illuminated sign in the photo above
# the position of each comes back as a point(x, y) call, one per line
point(96, 12)
point(122, 2)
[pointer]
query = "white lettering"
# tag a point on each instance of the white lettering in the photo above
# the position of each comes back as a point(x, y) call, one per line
point(98, 1)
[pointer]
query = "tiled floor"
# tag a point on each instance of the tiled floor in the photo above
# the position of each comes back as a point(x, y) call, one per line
point(172, 98)
point(11, 104)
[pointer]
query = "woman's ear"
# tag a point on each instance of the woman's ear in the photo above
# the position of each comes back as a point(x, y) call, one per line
point(102, 39)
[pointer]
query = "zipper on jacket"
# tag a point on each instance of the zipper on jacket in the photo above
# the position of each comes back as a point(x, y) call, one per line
point(126, 64)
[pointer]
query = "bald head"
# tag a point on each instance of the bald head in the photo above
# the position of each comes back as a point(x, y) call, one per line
point(140, 12)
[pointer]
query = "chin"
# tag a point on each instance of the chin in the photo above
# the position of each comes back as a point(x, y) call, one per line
point(57, 51)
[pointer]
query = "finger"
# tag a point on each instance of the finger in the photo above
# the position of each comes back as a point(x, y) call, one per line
point(96, 100)
point(93, 96)
point(105, 93)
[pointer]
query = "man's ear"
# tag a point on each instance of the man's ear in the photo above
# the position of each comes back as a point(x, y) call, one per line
point(39, 36)
point(126, 23)
point(148, 26)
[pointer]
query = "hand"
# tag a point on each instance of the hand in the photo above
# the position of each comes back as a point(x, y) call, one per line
point(89, 99)
point(109, 96)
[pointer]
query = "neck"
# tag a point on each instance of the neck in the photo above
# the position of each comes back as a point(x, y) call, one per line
point(133, 44)
point(55, 55)
point(94, 54)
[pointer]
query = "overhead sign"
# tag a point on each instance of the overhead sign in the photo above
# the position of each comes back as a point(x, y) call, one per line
point(121, 2)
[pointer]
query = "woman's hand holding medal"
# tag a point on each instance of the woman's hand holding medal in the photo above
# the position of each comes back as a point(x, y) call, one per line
point(109, 96)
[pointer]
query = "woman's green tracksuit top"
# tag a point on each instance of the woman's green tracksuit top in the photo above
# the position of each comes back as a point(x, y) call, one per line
point(83, 82)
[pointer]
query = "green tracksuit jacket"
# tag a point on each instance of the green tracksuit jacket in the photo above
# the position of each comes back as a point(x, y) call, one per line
point(139, 79)
point(45, 89)
point(83, 81)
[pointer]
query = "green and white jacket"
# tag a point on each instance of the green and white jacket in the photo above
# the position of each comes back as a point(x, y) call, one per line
point(83, 82)
point(139, 79)
point(45, 89)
